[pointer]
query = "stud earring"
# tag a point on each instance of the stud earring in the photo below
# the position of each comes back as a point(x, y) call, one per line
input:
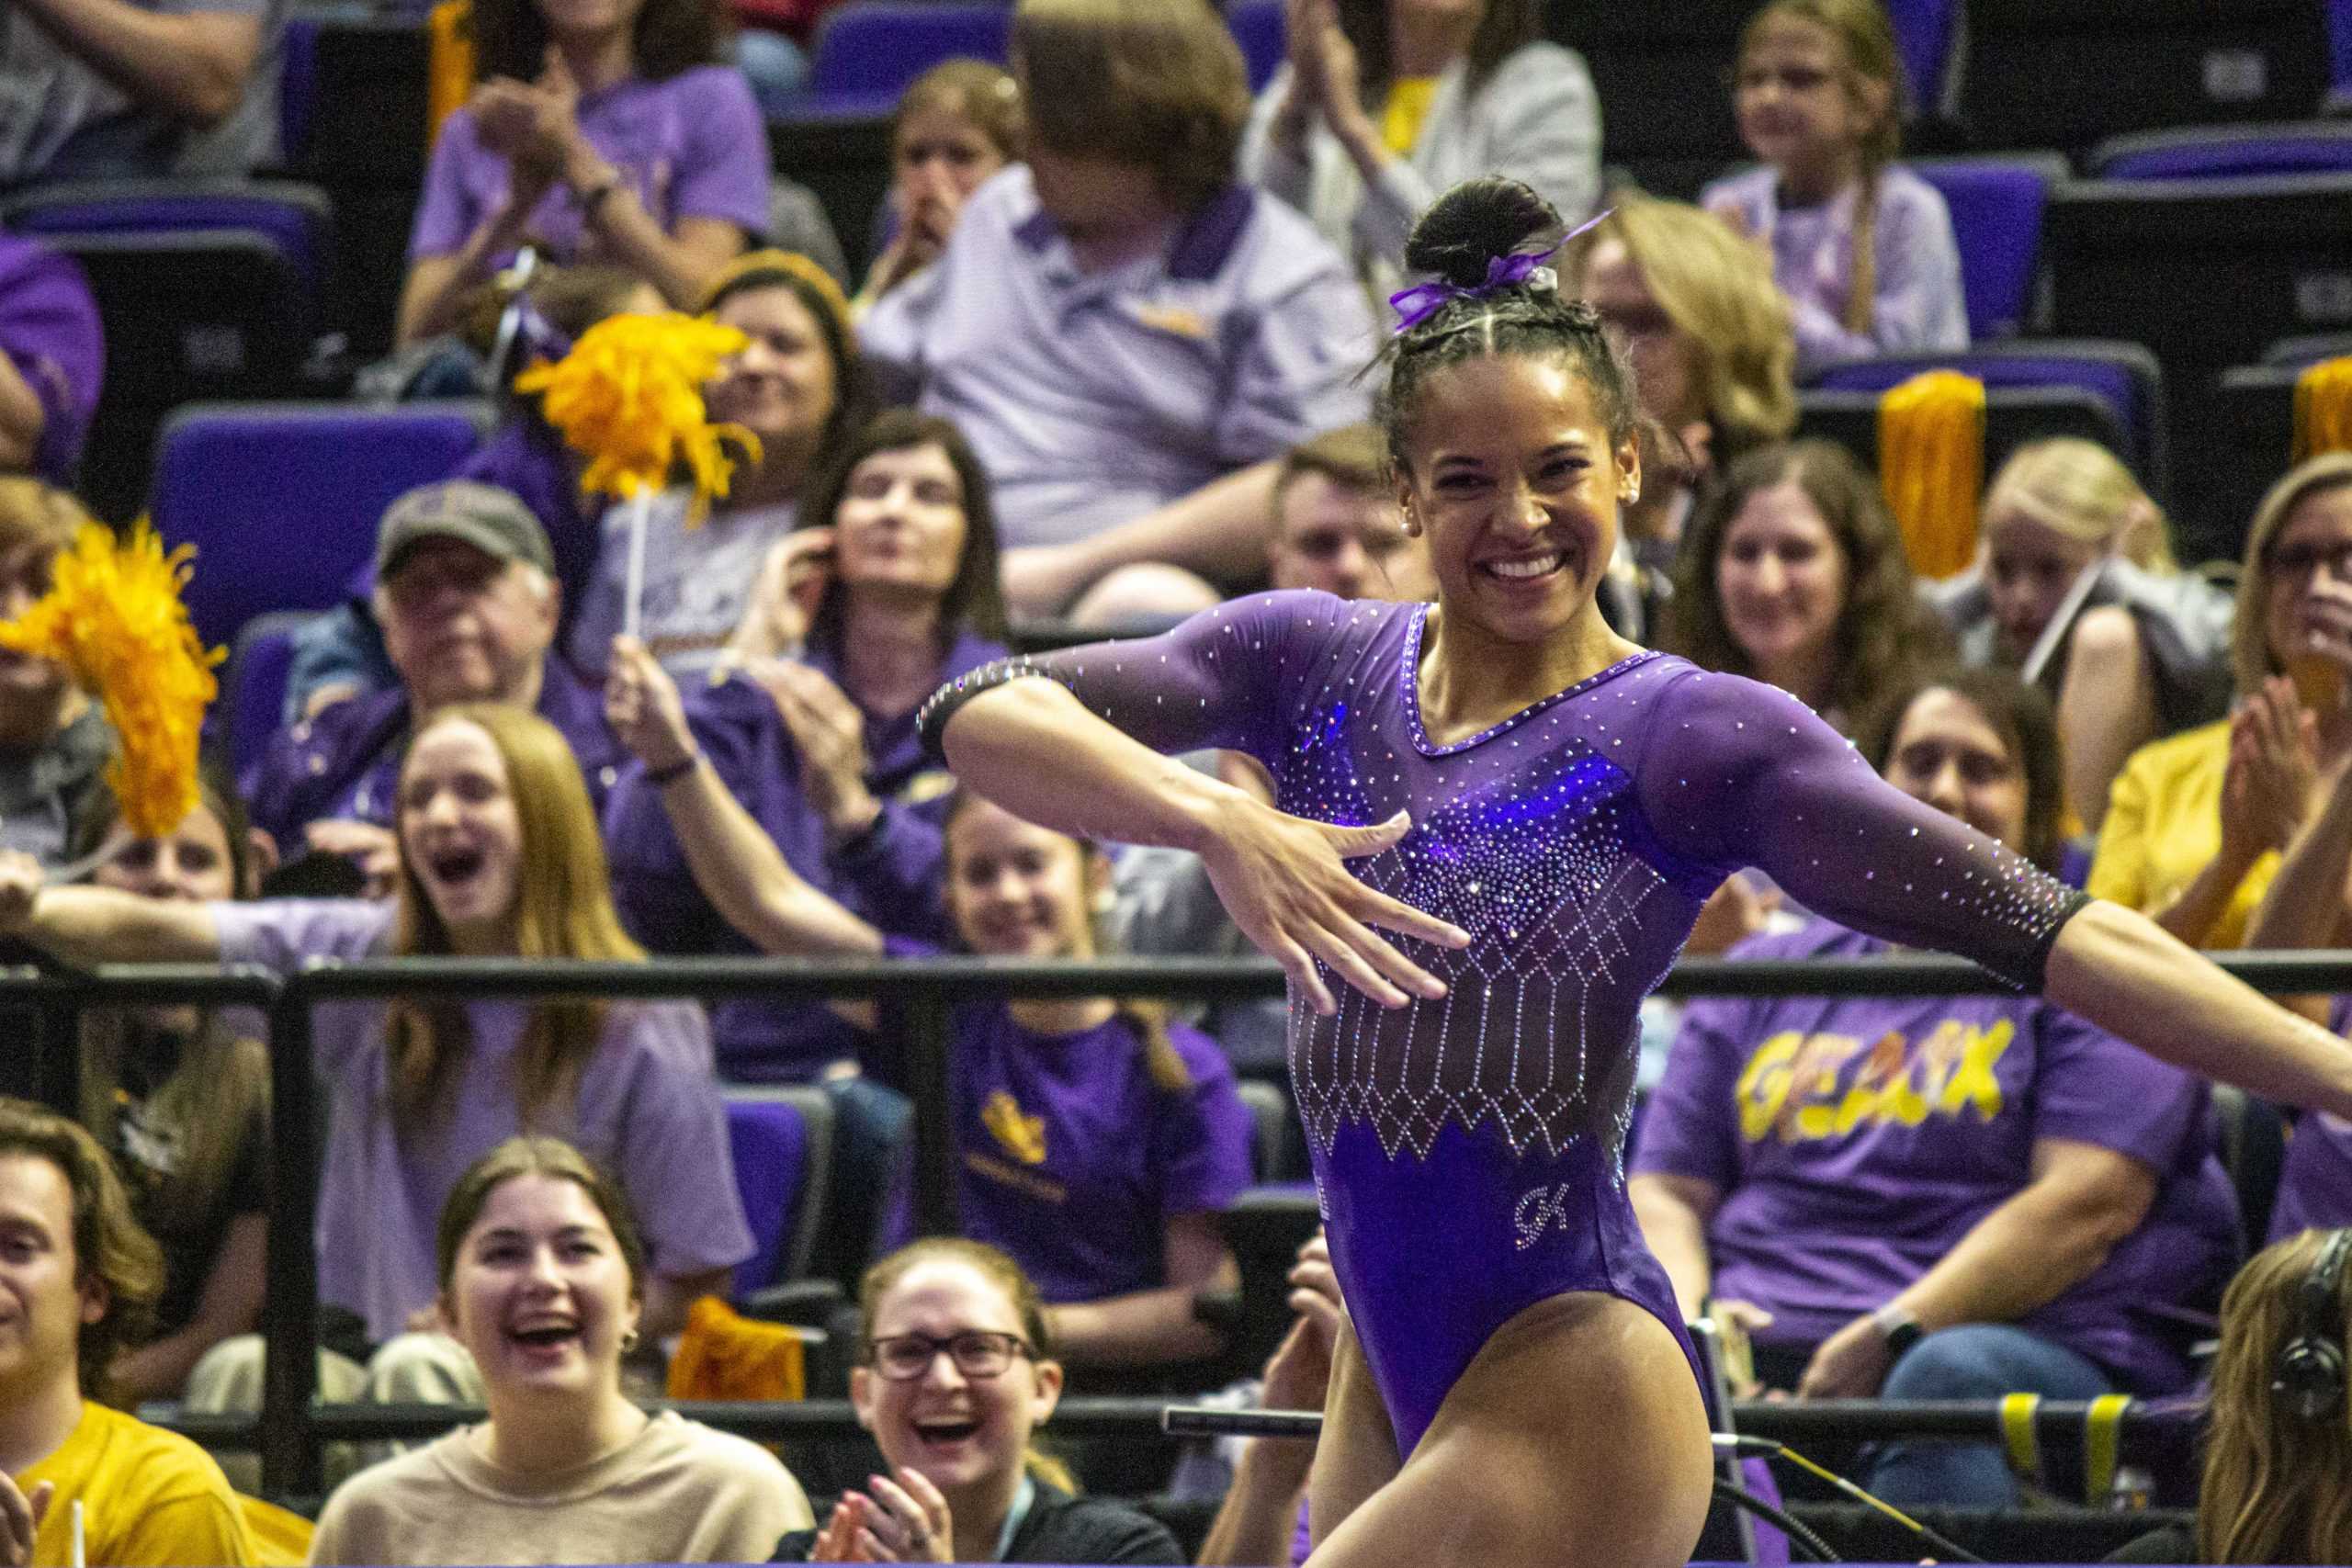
point(628, 1342)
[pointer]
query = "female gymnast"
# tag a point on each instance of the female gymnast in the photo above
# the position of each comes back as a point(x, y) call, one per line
point(1535, 808)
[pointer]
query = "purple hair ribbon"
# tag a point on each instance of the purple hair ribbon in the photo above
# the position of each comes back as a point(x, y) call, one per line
point(1417, 304)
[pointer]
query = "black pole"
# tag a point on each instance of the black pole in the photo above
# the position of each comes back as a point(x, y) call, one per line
point(926, 1018)
point(289, 1455)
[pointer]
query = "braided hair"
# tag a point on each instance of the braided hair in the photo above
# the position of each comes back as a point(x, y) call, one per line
point(1458, 240)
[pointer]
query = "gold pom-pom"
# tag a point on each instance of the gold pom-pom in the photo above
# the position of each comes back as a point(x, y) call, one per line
point(629, 397)
point(113, 618)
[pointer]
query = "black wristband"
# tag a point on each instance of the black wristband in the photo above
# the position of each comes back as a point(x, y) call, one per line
point(662, 778)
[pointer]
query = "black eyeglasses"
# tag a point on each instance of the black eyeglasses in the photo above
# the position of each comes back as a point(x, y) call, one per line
point(2300, 560)
point(903, 1357)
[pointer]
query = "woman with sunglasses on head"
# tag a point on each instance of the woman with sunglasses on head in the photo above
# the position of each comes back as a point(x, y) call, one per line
point(1537, 809)
point(542, 1280)
point(954, 1375)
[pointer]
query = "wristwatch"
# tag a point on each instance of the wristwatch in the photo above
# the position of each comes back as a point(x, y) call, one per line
point(1898, 1329)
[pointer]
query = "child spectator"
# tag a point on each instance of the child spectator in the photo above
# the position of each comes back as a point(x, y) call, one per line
point(466, 599)
point(1096, 1139)
point(2195, 822)
point(1126, 336)
point(543, 1281)
point(888, 590)
point(800, 387)
point(52, 358)
point(79, 1274)
point(1936, 1198)
point(1383, 104)
point(1862, 247)
point(498, 857)
point(180, 1098)
point(955, 1373)
point(138, 89)
point(53, 740)
point(2148, 655)
point(1794, 574)
point(610, 132)
point(959, 123)
point(2277, 1481)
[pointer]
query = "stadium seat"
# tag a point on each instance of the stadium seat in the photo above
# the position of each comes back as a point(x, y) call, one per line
point(2339, 54)
point(2215, 151)
point(2253, 420)
point(1271, 1136)
point(252, 687)
point(1265, 1226)
point(1924, 33)
point(1257, 28)
point(867, 52)
point(281, 500)
point(1996, 202)
point(296, 219)
point(2254, 1151)
point(2307, 349)
point(2013, 416)
point(782, 1139)
point(2122, 376)
point(1661, 73)
point(2069, 76)
point(298, 86)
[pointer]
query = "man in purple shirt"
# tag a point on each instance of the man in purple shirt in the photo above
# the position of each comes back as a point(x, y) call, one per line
point(466, 598)
point(52, 358)
point(1127, 337)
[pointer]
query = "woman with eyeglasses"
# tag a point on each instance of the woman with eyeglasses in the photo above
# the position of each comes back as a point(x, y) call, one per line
point(2196, 822)
point(954, 1375)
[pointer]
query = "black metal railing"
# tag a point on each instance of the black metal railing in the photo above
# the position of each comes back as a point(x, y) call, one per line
point(290, 1429)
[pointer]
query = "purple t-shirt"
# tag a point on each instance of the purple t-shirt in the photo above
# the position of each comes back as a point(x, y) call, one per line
point(1069, 1157)
point(2315, 1181)
point(690, 145)
point(48, 330)
point(647, 1112)
point(1855, 1140)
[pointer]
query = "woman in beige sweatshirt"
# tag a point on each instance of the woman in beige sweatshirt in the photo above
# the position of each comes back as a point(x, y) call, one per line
point(542, 1280)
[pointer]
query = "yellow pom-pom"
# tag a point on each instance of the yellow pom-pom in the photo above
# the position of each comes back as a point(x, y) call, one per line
point(629, 397)
point(113, 618)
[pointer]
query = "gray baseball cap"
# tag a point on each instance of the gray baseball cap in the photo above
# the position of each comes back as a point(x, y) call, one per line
point(493, 521)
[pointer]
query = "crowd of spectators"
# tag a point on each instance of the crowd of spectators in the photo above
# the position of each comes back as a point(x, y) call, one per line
point(1106, 369)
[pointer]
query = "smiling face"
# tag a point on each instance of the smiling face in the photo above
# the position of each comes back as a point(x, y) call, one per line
point(2313, 544)
point(2028, 567)
point(540, 1291)
point(1510, 477)
point(461, 834)
point(782, 388)
point(192, 863)
point(43, 1300)
point(899, 528)
point(961, 1432)
point(1016, 890)
point(1782, 579)
point(1947, 753)
point(1800, 107)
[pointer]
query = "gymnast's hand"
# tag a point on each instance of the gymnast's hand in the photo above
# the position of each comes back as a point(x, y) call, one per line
point(1285, 880)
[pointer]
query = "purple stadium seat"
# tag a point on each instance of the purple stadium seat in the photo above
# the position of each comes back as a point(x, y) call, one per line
point(782, 1142)
point(2123, 376)
point(281, 500)
point(2316, 147)
point(297, 219)
point(1257, 28)
point(298, 84)
point(1997, 204)
point(252, 687)
point(1924, 31)
point(2339, 49)
point(868, 51)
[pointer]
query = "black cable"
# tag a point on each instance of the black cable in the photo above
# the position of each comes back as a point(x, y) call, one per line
point(1766, 1446)
point(1796, 1529)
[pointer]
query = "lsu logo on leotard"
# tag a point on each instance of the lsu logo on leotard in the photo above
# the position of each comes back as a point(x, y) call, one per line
point(1537, 1208)
point(1797, 1088)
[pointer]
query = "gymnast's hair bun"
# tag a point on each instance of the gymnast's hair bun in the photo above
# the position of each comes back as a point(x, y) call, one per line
point(1472, 224)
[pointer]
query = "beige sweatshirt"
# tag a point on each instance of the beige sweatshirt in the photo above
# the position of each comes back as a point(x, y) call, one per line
point(679, 1492)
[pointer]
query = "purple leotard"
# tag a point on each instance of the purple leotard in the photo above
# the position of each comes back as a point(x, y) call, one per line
point(1470, 1152)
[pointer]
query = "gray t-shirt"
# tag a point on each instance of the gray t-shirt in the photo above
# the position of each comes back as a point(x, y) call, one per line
point(61, 119)
point(648, 1110)
point(698, 582)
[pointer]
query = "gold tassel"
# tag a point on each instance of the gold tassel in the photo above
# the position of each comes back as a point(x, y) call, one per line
point(1932, 467)
point(113, 618)
point(629, 397)
point(2323, 408)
